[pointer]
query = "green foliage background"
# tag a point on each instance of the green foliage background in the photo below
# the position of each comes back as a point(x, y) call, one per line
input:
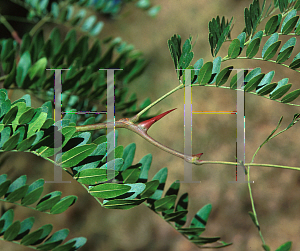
point(275, 190)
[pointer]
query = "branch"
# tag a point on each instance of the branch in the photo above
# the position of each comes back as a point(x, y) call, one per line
point(12, 31)
point(141, 129)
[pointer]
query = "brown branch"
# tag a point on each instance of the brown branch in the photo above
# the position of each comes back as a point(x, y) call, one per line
point(12, 31)
point(141, 129)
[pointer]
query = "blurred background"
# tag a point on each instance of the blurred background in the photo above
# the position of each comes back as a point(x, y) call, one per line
point(275, 191)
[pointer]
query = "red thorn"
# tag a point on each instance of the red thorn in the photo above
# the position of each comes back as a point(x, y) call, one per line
point(148, 123)
point(198, 155)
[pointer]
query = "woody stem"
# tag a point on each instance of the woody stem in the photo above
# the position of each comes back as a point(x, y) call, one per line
point(126, 123)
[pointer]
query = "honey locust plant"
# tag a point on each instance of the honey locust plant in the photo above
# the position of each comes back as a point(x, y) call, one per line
point(84, 150)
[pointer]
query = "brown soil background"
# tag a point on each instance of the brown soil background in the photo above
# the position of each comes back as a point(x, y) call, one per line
point(275, 191)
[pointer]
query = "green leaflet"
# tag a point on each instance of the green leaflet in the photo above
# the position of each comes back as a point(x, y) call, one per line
point(78, 17)
point(174, 44)
point(12, 231)
point(67, 133)
point(253, 48)
point(224, 35)
point(218, 32)
point(215, 70)
point(197, 66)
point(253, 83)
point(150, 189)
point(223, 76)
point(27, 99)
point(11, 143)
point(92, 176)
point(161, 176)
point(266, 89)
point(21, 109)
point(242, 38)
point(273, 24)
point(271, 51)
point(26, 116)
point(192, 230)
point(201, 217)
point(187, 55)
point(205, 73)
point(113, 153)
point(80, 49)
point(63, 204)
point(128, 156)
point(55, 9)
point(271, 41)
point(97, 28)
point(92, 55)
point(8, 217)
point(296, 62)
point(26, 226)
point(37, 235)
point(182, 205)
point(38, 68)
point(54, 240)
point(266, 247)
point(252, 16)
point(122, 204)
point(48, 201)
point(36, 124)
point(11, 76)
point(234, 48)
point(88, 23)
point(109, 190)
point(175, 216)
point(242, 79)
point(75, 155)
point(164, 203)
point(146, 163)
point(289, 22)
point(286, 50)
point(283, 56)
point(173, 189)
point(135, 190)
point(23, 68)
point(297, 5)
point(7, 47)
point(33, 193)
point(72, 244)
point(119, 151)
point(285, 247)
point(17, 189)
point(252, 74)
point(203, 240)
point(282, 4)
point(290, 25)
point(17, 194)
point(116, 163)
point(10, 116)
point(4, 186)
point(131, 174)
point(291, 96)
point(267, 78)
point(281, 89)
point(297, 30)
point(4, 136)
